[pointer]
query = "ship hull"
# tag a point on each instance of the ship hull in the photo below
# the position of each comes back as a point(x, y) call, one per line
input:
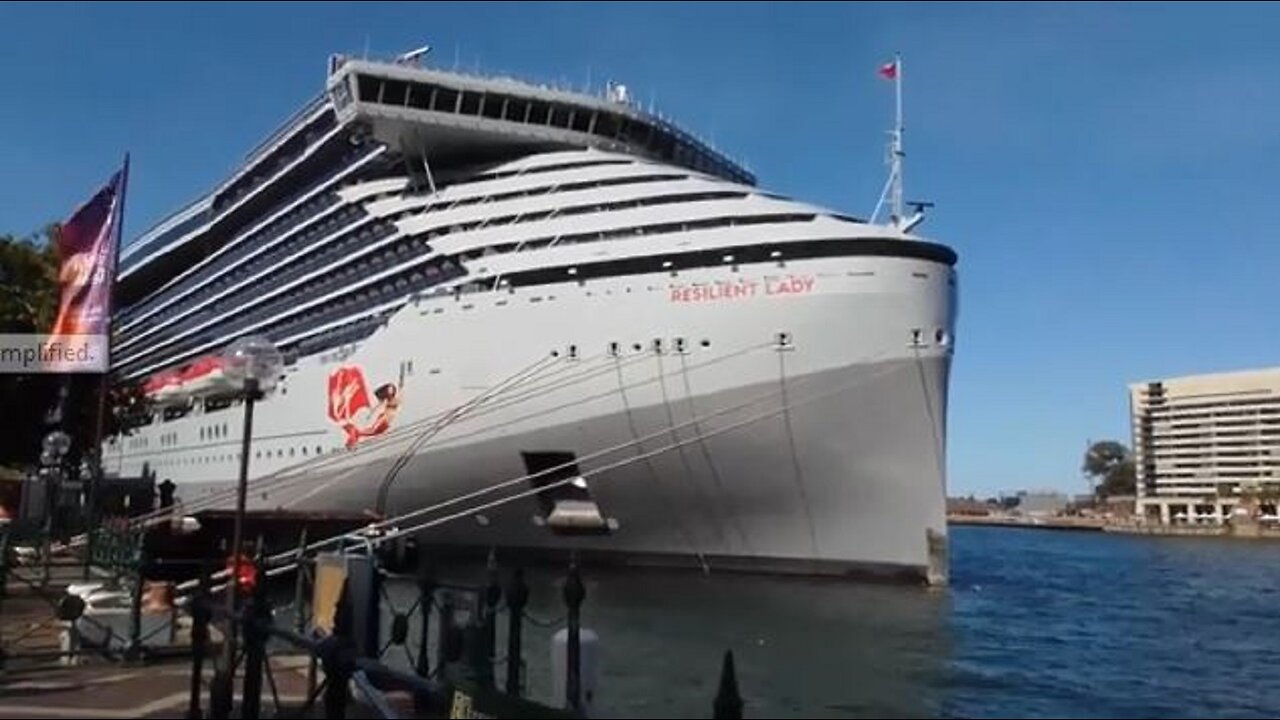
point(773, 418)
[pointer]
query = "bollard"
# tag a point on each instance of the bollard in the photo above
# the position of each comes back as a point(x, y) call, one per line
point(449, 647)
point(728, 703)
point(199, 640)
point(220, 693)
point(91, 515)
point(302, 606)
point(477, 665)
point(222, 685)
point(46, 538)
point(5, 535)
point(489, 616)
point(426, 593)
point(574, 594)
point(256, 633)
point(134, 650)
point(338, 658)
point(517, 599)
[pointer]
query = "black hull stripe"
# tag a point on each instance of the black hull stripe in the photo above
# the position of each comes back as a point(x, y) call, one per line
point(743, 255)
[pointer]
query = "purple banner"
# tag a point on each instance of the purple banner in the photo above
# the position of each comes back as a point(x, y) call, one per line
point(87, 247)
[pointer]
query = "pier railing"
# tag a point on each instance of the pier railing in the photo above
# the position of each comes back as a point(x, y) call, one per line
point(343, 623)
point(349, 649)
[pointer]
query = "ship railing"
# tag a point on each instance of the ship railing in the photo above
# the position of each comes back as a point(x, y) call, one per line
point(285, 127)
point(555, 212)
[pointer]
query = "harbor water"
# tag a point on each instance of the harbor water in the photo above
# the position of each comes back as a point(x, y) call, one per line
point(1035, 623)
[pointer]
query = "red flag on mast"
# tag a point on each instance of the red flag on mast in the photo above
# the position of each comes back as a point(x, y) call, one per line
point(889, 71)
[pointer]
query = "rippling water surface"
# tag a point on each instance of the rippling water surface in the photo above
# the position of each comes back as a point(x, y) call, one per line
point(1036, 623)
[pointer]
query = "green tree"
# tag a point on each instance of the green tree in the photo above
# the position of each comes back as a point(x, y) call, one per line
point(28, 304)
point(1110, 467)
point(28, 282)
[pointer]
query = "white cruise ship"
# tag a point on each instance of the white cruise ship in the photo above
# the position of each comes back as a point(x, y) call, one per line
point(540, 320)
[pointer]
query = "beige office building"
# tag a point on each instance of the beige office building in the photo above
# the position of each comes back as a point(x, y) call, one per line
point(1207, 447)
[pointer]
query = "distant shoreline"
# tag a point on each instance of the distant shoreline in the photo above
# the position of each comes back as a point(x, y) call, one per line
point(1234, 530)
point(1039, 523)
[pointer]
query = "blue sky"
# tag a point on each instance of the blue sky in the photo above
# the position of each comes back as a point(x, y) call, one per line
point(1107, 173)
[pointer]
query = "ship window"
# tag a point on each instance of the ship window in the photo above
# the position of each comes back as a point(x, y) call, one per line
point(394, 92)
point(625, 130)
point(470, 103)
point(290, 452)
point(493, 106)
point(606, 125)
point(582, 120)
point(560, 116)
point(446, 100)
point(420, 96)
point(318, 450)
point(517, 109)
point(368, 87)
point(538, 113)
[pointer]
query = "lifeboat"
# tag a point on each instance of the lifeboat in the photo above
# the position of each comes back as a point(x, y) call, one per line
point(165, 387)
point(203, 377)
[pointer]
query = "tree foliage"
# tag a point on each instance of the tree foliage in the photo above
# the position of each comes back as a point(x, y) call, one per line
point(28, 302)
point(28, 282)
point(1109, 465)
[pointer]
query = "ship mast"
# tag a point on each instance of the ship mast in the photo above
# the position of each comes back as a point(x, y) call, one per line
point(893, 185)
point(895, 150)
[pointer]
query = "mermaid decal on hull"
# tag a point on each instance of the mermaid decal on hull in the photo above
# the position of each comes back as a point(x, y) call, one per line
point(352, 409)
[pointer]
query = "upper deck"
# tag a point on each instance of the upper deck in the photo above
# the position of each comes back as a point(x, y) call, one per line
point(442, 113)
point(429, 117)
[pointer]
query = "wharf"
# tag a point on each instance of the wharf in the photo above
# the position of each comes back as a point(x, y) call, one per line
point(38, 680)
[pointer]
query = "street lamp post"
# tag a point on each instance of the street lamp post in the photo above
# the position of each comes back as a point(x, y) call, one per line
point(252, 363)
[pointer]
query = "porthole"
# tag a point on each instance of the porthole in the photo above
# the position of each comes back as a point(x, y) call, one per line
point(636, 347)
point(706, 343)
point(941, 337)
